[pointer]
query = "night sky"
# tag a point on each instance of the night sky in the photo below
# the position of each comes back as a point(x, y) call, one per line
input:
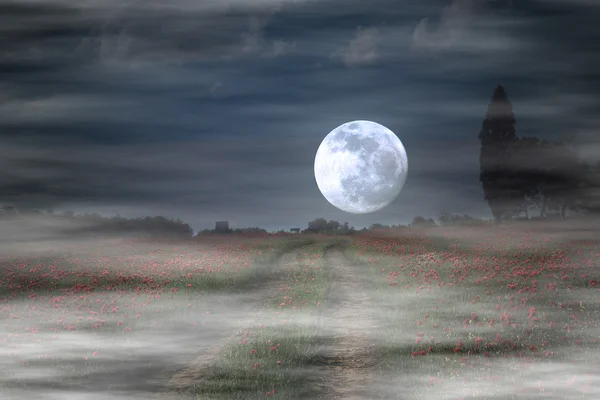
point(212, 110)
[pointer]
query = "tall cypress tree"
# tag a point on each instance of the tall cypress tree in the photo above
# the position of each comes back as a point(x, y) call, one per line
point(497, 136)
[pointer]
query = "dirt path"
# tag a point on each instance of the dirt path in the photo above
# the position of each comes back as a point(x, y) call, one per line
point(348, 319)
point(347, 323)
point(158, 363)
point(254, 309)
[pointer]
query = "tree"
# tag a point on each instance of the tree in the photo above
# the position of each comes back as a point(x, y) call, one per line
point(549, 174)
point(565, 173)
point(422, 222)
point(527, 164)
point(497, 135)
point(574, 184)
point(588, 193)
point(333, 225)
point(378, 226)
point(321, 225)
point(447, 219)
point(317, 225)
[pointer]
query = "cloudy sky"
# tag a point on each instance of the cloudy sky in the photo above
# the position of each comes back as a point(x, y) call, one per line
point(214, 109)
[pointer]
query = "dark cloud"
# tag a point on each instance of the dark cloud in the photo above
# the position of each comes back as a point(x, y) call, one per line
point(214, 110)
point(363, 49)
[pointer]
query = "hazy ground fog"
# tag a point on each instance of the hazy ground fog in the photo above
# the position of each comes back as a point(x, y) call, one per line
point(405, 314)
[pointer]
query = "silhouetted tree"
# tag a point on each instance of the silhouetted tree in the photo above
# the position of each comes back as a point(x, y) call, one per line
point(422, 222)
point(565, 173)
point(333, 225)
point(378, 226)
point(447, 219)
point(497, 135)
point(97, 225)
point(317, 225)
point(528, 171)
point(321, 225)
point(588, 193)
point(575, 184)
point(549, 174)
point(249, 230)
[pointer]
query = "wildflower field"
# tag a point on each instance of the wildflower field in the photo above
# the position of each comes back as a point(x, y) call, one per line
point(484, 313)
point(470, 313)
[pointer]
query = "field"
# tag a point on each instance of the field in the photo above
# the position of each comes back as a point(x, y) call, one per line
point(505, 312)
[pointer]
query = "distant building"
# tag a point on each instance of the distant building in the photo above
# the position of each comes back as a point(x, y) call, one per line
point(295, 230)
point(222, 226)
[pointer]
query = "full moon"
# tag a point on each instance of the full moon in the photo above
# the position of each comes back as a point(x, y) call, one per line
point(360, 167)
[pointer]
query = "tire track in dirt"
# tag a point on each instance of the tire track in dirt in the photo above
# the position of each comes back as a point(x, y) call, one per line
point(349, 320)
point(256, 308)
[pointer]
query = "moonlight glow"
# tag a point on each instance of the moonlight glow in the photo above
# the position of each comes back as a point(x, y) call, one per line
point(361, 167)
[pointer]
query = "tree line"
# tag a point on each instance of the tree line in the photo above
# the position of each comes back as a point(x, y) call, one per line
point(96, 225)
point(321, 225)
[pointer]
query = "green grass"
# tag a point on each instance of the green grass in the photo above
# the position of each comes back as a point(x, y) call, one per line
point(243, 374)
point(137, 278)
point(18, 282)
point(297, 345)
point(441, 325)
point(404, 311)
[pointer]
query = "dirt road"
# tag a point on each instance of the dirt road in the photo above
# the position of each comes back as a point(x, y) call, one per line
point(156, 360)
point(349, 321)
